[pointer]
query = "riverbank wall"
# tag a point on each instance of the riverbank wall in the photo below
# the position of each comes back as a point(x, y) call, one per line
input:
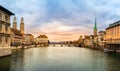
point(5, 51)
point(95, 48)
point(22, 47)
point(101, 48)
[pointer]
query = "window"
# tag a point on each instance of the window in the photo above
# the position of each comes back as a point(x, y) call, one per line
point(6, 39)
point(0, 39)
point(6, 18)
point(117, 30)
point(0, 16)
point(0, 27)
point(6, 28)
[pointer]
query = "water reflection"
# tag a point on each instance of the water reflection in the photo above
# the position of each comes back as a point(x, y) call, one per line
point(60, 59)
point(113, 62)
point(5, 64)
point(17, 61)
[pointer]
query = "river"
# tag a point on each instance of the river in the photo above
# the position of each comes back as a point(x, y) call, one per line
point(60, 59)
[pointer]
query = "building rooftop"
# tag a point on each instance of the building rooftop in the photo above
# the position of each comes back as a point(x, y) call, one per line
point(6, 10)
point(30, 35)
point(113, 25)
point(101, 32)
point(87, 37)
point(16, 31)
point(42, 36)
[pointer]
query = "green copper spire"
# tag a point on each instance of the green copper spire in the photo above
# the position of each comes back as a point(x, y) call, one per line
point(95, 27)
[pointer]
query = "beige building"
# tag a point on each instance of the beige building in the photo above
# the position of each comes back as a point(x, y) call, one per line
point(112, 37)
point(5, 31)
point(101, 35)
point(29, 39)
point(42, 40)
point(5, 27)
point(80, 40)
point(87, 41)
point(17, 37)
point(91, 40)
point(113, 33)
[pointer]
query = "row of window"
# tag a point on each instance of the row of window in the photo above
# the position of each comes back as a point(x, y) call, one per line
point(6, 39)
point(5, 17)
point(6, 28)
point(113, 32)
point(17, 41)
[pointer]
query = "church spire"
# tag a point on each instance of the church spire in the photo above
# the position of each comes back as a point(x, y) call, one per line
point(95, 27)
point(14, 23)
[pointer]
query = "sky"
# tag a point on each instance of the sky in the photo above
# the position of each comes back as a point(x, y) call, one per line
point(63, 20)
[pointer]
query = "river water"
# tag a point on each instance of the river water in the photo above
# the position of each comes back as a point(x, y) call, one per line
point(60, 59)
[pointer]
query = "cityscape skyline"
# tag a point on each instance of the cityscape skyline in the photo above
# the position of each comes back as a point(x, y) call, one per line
point(64, 20)
point(59, 35)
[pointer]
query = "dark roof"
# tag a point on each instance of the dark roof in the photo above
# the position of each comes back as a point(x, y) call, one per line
point(42, 36)
point(87, 37)
point(91, 35)
point(16, 31)
point(113, 25)
point(101, 32)
point(6, 10)
point(29, 34)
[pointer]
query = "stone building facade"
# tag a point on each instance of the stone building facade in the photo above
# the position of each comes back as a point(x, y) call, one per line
point(42, 40)
point(29, 39)
point(101, 35)
point(113, 33)
point(5, 27)
point(17, 36)
point(87, 42)
point(112, 37)
point(5, 32)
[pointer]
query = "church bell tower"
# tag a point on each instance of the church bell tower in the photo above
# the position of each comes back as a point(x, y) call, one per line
point(22, 25)
point(14, 23)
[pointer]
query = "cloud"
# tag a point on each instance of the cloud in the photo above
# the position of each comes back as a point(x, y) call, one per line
point(64, 18)
point(59, 30)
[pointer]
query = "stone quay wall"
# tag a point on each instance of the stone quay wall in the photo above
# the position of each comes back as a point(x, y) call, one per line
point(5, 51)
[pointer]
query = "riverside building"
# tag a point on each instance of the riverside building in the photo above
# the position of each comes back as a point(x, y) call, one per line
point(5, 34)
point(112, 36)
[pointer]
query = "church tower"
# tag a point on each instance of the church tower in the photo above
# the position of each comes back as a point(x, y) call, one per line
point(95, 28)
point(22, 26)
point(14, 23)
